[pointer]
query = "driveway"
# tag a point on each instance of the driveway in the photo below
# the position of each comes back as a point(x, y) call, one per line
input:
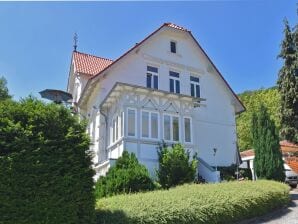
point(287, 215)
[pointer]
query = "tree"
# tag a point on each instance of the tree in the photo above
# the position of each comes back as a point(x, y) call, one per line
point(127, 176)
point(288, 85)
point(268, 163)
point(175, 167)
point(252, 101)
point(45, 168)
point(3, 89)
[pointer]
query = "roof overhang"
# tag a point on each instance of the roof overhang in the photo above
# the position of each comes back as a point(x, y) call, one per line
point(120, 87)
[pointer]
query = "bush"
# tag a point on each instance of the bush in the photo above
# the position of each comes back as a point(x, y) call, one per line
point(175, 167)
point(45, 172)
point(195, 204)
point(127, 176)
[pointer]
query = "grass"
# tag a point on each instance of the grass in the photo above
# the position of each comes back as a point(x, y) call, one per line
point(209, 203)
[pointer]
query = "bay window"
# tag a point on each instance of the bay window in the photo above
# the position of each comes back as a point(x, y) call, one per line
point(187, 130)
point(149, 124)
point(131, 122)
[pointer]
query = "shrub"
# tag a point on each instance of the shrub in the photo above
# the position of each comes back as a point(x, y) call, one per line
point(45, 172)
point(195, 204)
point(175, 167)
point(128, 175)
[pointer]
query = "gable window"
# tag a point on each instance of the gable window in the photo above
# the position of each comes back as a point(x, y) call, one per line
point(194, 86)
point(173, 46)
point(171, 128)
point(152, 77)
point(187, 130)
point(174, 82)
point(131, 122)
point(149, 124)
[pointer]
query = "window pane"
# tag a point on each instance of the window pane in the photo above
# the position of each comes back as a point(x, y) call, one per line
point(145, 124)
point(155, 77)
point(171, 85)
point(192, 89)
point(177, 86)
point(197, 91)
point(167, 127)
point(131, 122)
point(114, 130)
point(187, 130)
point(194, 79)
point(152, 69)
point(149, 76)
point(116, 127)
point(154, 125)
point(174, 74)
point(175, 129)
point(173, 47)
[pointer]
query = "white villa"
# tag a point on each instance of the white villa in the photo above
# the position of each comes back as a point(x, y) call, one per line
point(163, 88)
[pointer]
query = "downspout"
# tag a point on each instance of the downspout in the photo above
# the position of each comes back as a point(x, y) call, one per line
point(106, 134)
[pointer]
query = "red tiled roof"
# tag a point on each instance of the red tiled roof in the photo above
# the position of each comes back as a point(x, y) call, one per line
point(175, 26)
point(293, 163)
point(246, 153)
point(89, 64)
point(288, 144)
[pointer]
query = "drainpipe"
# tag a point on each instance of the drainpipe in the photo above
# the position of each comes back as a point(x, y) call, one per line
point(106, 125)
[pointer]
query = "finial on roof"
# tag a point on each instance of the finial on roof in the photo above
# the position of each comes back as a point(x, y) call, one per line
point(75, 41)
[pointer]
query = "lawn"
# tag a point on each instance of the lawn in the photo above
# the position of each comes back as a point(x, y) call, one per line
point(208, 203)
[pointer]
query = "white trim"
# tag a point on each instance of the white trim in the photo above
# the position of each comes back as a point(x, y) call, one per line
point(171, 127)
point(149, 124)
point(135, 110)
point(191, 130)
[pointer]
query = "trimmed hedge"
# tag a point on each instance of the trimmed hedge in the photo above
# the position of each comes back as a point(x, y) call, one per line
point(209, 203)
point(45, 172)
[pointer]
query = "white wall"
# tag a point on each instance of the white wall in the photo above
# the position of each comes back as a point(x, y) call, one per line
point(213, 124)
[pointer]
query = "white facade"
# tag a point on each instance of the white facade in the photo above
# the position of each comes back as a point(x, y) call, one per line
point(110, 99)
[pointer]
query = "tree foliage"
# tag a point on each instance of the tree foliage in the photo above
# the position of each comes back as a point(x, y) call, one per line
point(252, 101)
point(45, 170)
point(288, 85)
point(268, 163)
point(3, 89)
point(175, 167)
point(127, 176)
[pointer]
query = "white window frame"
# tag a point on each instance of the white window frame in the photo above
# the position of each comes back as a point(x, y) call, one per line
point(149, 124)
point(171, 127)
point(152, 77)
point(175, 79)
point(126, 129)
point(191, 129)
point(195, 84)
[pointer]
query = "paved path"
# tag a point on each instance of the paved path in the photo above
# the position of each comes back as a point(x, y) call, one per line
point(288, 215)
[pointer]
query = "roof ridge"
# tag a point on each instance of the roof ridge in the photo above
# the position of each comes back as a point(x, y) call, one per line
point(93, 55)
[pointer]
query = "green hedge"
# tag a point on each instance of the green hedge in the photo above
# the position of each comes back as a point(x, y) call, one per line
point(45, 172)
point(209, 203)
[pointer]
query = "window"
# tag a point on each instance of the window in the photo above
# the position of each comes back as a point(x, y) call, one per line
point(187, 129)
point(173, 46)
point(131, 124)
point(194, 86)
point(152, 77)
point(174, 82)
point(149, 124)
point(171, 128)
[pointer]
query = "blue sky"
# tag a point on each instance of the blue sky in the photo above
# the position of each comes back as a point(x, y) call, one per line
point(36, 38)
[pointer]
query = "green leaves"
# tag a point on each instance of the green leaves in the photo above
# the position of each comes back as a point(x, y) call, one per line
point(45, 170)
point(195, 204)
point(127, 176)
point(175, 167)
point(268, 163)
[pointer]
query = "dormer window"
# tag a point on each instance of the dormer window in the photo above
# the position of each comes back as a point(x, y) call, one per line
point(173, 47)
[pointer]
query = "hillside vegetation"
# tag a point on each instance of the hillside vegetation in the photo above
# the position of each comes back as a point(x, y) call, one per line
point(209, 203)
point(252, 100)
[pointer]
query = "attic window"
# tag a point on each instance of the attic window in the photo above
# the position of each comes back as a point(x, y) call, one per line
point(173, 46)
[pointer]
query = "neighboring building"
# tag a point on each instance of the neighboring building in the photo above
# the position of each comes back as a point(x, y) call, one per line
point(163, 88)
point(290, 156)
